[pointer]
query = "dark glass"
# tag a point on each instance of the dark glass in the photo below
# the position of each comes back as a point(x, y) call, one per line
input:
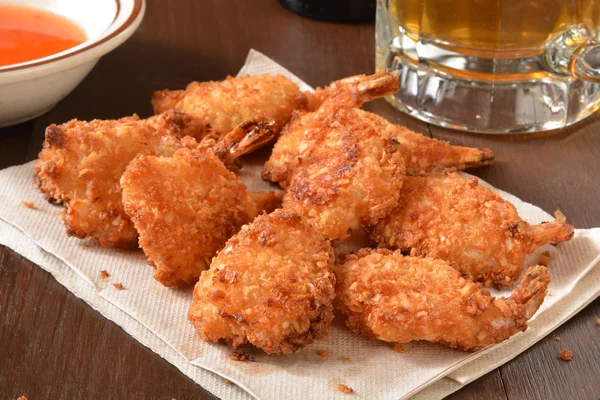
point(333, 10)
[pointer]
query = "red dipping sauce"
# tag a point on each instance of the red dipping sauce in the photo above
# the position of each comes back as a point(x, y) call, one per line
point(28, 33)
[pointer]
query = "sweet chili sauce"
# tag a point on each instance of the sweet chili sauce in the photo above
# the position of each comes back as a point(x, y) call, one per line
point(28, 33)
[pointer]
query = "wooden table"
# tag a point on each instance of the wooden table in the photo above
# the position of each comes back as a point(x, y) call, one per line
point(54, 346)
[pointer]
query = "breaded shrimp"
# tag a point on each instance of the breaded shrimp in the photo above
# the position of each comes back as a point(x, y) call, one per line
point(226, 104)
point(421, 153)
point(187, 205)
point(272, 286)
point(352, 176)
point(396, 298)
point(451, 218)
point(81, 164)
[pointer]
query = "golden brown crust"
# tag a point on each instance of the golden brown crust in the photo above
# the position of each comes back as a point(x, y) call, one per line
point(81, 164)
point(448, 217)
point(272, 286)
point(184, 207)
point(341, 171)
point(350, 178)
point(226, 104)
point(398, 299)
point(421, 153)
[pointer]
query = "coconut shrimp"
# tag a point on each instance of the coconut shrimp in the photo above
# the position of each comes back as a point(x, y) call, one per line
point(397, 298)
point(353, 174)
point(480, 234)
point(271, 286)
point(226, 104)
point(305, 133)
point(81, 164)
point(185, 206)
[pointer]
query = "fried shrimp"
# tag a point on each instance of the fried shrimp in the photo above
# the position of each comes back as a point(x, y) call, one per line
point(352, 177)
point(272, 286)
point(187, 205)
point(396, 298)
point(451, 218)
point(226, 104)
point(81, 164)
point(421, 154)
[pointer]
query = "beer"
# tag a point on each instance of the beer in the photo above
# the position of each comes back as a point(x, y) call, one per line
point(494, 25)
point(492, 66)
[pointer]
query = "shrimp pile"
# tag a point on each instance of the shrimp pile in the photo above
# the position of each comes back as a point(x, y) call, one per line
point(262, 262)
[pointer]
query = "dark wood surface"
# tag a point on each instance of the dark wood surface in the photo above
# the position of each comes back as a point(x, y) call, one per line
point(54, 346)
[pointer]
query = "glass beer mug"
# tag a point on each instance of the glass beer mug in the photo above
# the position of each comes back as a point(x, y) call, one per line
point(493, 66)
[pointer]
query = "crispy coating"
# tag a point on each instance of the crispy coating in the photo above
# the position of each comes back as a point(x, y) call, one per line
point(421, 153)
point(451, 218)
point(226, 104)
point(184, 207)
point(351, 179)
point(397, 298)
point(81, 164)
point(272, 286)
point(352, 174)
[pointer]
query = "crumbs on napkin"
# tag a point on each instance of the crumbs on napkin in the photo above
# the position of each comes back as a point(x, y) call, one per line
point(344, 389)
point(119, 286)
point(104, 275)
point(565, 354)
point(557, 338)
point(29, 204)
point(241, 356)
point(323, 353)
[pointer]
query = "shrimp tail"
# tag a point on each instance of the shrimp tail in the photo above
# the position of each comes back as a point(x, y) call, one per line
point(244, 138)
point(356, 90)
point(551, 232)
point(531, 290)
point(378, 85)
point(476, 157)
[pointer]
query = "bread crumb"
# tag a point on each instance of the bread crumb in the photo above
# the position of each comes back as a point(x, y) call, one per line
point(346, 359)
point(30, 205)
point(23, 398)
point(241, 356)
point(119, 286)
point(104, 275)
point(565, 354)
point(227, 381)
point(598, 321)
point(557, 338)
point(544, 258)
point(398, 348)
point(323, 353)
point(344, 389)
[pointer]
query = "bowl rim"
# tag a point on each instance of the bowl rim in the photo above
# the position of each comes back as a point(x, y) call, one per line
point(122, 32)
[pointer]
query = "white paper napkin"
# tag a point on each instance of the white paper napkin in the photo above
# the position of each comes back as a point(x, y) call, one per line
point(156, 316)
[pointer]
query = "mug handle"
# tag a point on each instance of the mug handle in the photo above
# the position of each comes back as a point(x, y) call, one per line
point(585, 62)
point(574, 53)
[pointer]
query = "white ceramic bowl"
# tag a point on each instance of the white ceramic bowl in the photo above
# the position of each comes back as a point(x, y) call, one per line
point(30, 89)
